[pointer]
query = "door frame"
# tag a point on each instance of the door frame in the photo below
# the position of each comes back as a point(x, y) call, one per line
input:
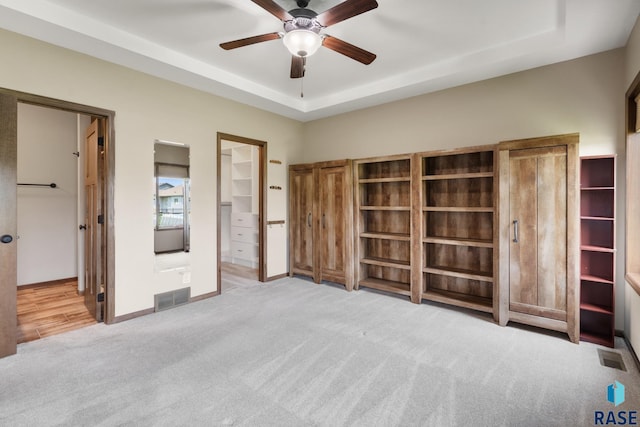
point(262, 202)
point(109, 179)
point(8, 222)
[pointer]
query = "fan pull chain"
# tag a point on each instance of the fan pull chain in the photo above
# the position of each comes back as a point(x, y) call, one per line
point(302, 86)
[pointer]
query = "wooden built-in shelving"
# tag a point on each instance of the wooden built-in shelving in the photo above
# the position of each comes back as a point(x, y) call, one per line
point(597, 249)
point(442, 226)
point(425, 226)
point(383, 223)
point(457, 227)
point(244, 205)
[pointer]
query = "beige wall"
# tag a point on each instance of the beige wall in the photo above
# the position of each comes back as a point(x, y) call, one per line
point(632, 299)
point(149, 108)
point(576, 96)
point(632, 60)
point(583, 95)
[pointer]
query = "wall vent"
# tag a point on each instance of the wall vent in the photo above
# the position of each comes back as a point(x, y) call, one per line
point(171, 299)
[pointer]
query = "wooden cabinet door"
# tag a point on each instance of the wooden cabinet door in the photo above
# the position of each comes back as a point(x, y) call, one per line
point(332, 230)
point(301, 221)
point(538, 243)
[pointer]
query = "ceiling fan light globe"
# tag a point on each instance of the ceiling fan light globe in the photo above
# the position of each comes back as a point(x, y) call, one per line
point(302, 42)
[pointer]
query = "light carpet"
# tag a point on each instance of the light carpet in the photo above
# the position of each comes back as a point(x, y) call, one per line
point(294, 353)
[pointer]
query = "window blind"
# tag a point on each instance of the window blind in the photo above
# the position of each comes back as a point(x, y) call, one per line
point(172, 171)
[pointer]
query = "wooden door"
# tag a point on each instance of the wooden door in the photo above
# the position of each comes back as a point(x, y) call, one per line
point(332, 230)
point(91, 238)
point(301, 220)
point(8, 224)
point(538, 243)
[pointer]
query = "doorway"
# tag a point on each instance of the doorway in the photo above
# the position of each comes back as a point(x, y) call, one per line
point(9, 101)
point(241, 209)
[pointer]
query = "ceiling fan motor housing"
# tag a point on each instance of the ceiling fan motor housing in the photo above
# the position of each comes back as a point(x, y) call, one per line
point(303, 19)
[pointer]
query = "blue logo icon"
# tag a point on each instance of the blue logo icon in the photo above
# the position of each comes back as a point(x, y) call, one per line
point(615, 393)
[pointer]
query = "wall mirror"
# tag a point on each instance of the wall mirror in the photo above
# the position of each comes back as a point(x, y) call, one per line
point(172, 200)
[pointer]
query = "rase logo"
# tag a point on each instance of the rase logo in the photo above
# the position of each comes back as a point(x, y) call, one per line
point(615, 396)
point(615, 393)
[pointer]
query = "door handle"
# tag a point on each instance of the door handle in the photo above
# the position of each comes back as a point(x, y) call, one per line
point(7, 238)
point(515, 231)
point(309, 220)
point(323, 221)
point(83, 227)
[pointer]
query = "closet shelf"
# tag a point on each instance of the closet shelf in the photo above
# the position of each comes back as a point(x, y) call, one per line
point(592, 248)
point(460, 273)
point(378, 180)
point(478, 243)
point(596, 188)
point(386, 286)
point(385, 208)
point(384, 262)
point(596, 338)
point(595, 308)
point(242, 162)
point(456, 209)
point(597, 218)
point(460, 300)
point(387, 236)
point(591, 278)
point(458, 176)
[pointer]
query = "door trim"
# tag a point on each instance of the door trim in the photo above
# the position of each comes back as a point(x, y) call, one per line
point(109, 177)
point(262, 205)
point(8, 216)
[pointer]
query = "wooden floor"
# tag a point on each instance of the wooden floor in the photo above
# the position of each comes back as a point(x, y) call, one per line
point(239, 270)
point(50, 308)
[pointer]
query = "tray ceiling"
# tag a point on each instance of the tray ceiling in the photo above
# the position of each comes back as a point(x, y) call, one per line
point(421, 45)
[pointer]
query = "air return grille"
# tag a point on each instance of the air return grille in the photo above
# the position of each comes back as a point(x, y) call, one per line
point(611, 359)
point(171, 299)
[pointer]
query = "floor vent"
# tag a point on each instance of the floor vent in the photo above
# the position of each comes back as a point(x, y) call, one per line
point(171, 299)
point(611, 359)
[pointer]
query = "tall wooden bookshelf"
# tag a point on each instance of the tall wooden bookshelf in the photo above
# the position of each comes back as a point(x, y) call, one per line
point(458, 236)
point(425, 226)
point(597, 249)
point(383, 223)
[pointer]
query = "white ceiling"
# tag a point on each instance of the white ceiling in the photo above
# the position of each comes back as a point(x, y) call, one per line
point(421, 45)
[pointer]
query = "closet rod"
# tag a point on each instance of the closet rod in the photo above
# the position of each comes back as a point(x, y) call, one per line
point(52, 185)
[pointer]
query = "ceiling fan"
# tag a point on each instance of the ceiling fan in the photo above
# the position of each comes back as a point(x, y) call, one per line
point(302, 31)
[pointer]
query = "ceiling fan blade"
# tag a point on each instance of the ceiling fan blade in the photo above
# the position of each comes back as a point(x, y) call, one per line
point(274, 9)
point(297, 66)
point(347, 49)
point(345, 10)
point(249, 40)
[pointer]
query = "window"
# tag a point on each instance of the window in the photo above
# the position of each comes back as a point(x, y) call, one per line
point(632, 239)
point(170, 197)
